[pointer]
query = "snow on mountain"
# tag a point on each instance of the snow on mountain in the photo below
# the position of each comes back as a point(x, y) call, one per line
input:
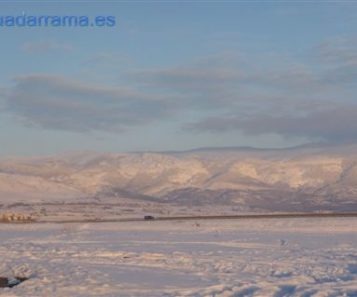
point(315, 176)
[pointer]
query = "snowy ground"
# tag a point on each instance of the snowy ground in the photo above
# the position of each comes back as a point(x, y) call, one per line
point(271, 257)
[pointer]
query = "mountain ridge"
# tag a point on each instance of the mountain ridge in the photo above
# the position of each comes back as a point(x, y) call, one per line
point(318, 177)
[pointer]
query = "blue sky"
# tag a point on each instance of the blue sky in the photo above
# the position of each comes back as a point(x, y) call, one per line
point(178, 75)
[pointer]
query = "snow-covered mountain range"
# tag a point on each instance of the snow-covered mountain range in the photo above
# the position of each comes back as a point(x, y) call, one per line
point(300, 179)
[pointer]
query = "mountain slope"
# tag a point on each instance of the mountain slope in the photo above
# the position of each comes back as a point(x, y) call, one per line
point(316, 178)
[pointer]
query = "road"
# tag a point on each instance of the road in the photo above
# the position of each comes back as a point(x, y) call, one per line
point(216, 217)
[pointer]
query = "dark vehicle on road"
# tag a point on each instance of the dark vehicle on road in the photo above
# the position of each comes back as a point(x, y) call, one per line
point(149, 218)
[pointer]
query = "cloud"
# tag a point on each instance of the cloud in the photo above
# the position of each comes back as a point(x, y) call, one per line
point(39, 47)
point(292, 99)
point(256, 94)
point(318, 109)
point(3, 94)
point(55, 102)
point(340, 57)
point(106, 59)
point(333, 124)
point(339, 50)
point(229, 81)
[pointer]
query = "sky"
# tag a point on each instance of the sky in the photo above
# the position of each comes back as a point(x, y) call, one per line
point(177, 75)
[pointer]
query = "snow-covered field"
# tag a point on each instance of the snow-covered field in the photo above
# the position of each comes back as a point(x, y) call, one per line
point(271, 257)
